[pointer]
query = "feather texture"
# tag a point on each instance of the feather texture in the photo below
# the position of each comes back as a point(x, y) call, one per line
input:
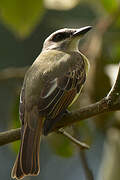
point(59, 93)
point(27, 161)
point(45, 96)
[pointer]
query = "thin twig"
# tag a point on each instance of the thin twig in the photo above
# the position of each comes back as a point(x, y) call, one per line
point(87, 170)
point(82, 145)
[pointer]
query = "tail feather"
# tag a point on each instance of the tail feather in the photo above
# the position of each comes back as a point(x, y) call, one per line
point(28, 150)
point(36, 164)
point(16, 171)
point(27, 162)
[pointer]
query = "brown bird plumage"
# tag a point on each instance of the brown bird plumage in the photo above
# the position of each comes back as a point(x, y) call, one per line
point(49, 87)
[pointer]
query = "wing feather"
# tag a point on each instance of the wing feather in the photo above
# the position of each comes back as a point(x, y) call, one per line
point(64, 89)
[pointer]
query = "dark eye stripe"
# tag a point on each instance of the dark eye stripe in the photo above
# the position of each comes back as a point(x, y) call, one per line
point(60, 36)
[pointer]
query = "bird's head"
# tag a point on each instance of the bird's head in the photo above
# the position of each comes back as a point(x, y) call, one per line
point(65, 39)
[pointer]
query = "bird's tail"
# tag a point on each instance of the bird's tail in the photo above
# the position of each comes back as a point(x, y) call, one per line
point(27, 161)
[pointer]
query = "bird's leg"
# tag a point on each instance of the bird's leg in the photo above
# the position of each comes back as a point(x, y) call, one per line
point(82, 145)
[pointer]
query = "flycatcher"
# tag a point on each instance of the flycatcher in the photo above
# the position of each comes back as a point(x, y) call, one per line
point(50, 86)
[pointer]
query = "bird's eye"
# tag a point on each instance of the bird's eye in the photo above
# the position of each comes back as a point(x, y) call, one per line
point(58, 37)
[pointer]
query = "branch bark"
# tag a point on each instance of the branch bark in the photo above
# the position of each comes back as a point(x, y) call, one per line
point(9, 136)
point(109, 103)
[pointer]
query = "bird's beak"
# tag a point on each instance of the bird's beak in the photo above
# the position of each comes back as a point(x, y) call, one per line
point(80, 32)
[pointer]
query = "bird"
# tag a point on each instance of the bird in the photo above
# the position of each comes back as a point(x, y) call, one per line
point(50, 87)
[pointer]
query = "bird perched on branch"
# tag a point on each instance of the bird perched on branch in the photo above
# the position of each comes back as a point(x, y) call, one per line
point(51, 85)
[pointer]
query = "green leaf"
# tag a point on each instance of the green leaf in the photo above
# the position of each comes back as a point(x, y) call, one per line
point(61, 145)
point(21, 16)
point(110, 5)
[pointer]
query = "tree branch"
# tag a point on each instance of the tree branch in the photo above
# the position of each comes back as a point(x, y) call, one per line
point(107, 104)
point(10, 73)
point(9, 136)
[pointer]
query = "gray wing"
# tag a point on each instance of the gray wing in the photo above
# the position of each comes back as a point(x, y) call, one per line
point(59, 93)
point(56, 95)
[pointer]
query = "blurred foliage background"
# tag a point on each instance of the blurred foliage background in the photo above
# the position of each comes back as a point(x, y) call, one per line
point(23, 27)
